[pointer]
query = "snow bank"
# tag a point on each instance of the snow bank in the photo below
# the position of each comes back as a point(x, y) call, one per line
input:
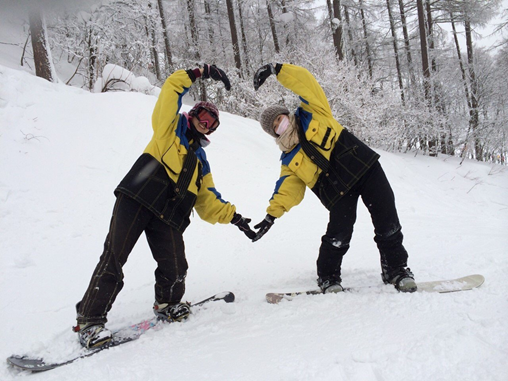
point(116, 78)
point(62, 152)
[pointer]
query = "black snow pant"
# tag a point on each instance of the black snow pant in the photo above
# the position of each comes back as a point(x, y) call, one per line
point(129, 220)
point(378, 197)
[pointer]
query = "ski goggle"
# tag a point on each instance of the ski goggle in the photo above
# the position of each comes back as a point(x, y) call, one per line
point(208, 119)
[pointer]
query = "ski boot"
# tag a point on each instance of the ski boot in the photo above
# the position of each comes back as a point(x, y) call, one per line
point(93, 335)
point(330, 284)
point(172, 312)
point(401, 277)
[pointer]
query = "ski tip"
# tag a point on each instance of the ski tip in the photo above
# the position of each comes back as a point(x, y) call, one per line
point(229, 297)
point(29, 364)
point(479, 278)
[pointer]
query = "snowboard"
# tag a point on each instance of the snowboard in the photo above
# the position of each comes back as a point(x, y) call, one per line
point(440, 286)
point(120, 336)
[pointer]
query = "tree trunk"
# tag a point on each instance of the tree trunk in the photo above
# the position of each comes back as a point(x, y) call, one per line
point(337, 30)
point(234, 35)
point(150, 32)
point(423, 46)
point(272, 27)
point(474, 119)
point(208, 16)
point(433, 139)
point(350, 35)
point(40, 46)
point(425, 65)
point(366, 37)
point(464, 79)
point(395, 50)
point(195, 45)
point(430, 36)
point(244, 40)
point(461, 63)
point(193, 30)
point(92, 58)
point(330, 13)
point(407, 43)
point(169, 56)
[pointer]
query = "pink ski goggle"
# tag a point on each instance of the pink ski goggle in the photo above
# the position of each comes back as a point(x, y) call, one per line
point(208, 119)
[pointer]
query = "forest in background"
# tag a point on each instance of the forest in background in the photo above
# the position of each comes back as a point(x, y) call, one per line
point(402, 75)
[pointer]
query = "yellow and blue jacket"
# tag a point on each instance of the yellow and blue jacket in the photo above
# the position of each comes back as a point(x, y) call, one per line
point(349, 157)
point(153, 179)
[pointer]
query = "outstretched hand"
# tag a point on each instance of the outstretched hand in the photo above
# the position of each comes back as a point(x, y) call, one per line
point(212, 71)
point(243, 224)
point(264, 72)
point(263, 227)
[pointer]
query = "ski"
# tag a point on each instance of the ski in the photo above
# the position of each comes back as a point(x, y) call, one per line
point(120, 336)
point(440, 286)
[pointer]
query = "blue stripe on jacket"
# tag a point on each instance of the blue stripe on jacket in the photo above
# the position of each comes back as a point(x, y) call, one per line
point(278, 185)
point(217, 194)
point(181, 130)
point(305, 117)
point(200, 153)
point(286, 157)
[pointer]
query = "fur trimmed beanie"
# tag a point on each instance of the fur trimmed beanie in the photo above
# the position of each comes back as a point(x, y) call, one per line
point(268, 116)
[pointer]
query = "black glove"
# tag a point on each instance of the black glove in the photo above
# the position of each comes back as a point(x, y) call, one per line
point(212, 71)
point(264, 72)
point(243, 224)
point(263, 227)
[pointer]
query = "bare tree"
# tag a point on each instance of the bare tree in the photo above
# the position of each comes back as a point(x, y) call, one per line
point(150, 32)
point(272, 27)
point(461, 61)
point(350, 35)
point(169, 54)
point(433, 140)
point(234, 36)
point(195, 44)
point(366, 38)
point(128, 33)
point(473, 111)
point(395, 50)
point(407, 42)
point(424, 49)
point(42, 54)
point(337, 29)
point(208, 18)
point(244, 38)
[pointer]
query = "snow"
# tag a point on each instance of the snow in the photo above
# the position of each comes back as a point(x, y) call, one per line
point(124, 80)
point(62, 152)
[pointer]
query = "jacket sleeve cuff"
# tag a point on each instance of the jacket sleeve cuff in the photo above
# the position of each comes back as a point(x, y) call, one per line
point(194, 74)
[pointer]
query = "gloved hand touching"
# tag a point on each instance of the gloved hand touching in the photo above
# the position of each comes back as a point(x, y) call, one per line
point(264, 72)
point(212, 71)
point(243, 224)
point(263, 227)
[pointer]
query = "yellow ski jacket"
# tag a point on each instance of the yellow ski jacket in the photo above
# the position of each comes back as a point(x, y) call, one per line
point(350, 157)
point(154, 177)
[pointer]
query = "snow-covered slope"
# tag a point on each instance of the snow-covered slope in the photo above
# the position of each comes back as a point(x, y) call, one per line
point(63, 151)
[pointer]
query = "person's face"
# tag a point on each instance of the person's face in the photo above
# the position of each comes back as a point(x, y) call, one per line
point(277, 121)
point(205, 122)
point(280, 124)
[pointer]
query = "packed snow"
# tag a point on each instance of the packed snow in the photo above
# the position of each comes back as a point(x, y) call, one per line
point(62, 152)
